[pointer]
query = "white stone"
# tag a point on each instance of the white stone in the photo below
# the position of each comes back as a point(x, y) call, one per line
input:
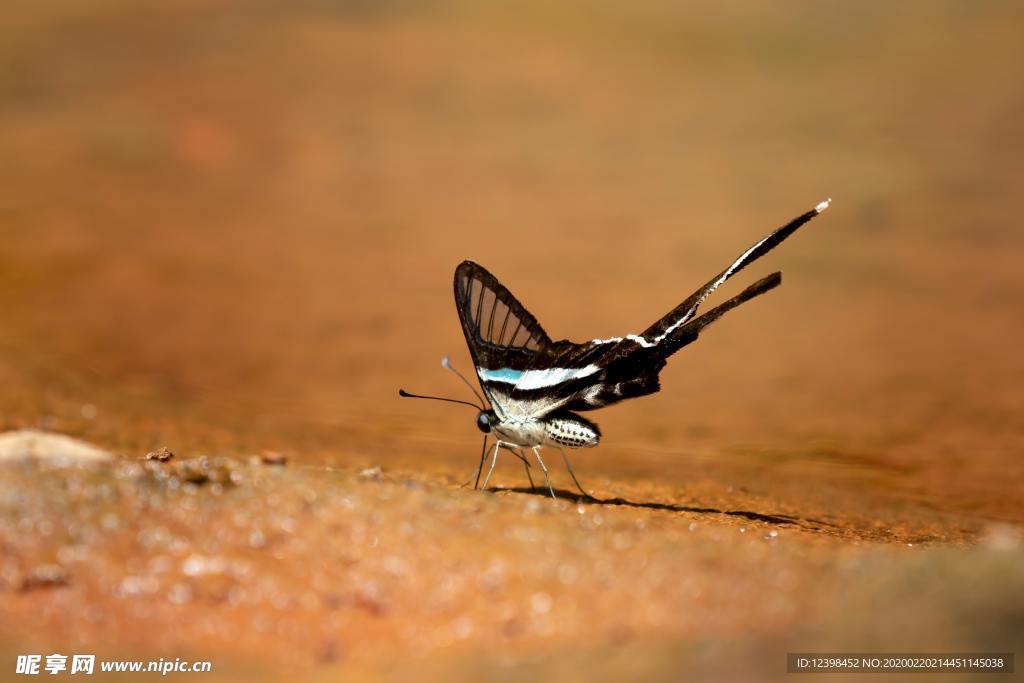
point(32, 444)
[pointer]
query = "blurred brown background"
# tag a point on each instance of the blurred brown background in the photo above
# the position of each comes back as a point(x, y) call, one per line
point(234, 224)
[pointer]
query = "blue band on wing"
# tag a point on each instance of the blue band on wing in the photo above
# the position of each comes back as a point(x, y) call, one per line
point(501, 375)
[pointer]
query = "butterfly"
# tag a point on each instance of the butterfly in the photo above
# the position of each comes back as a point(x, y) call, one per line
point(536, 387)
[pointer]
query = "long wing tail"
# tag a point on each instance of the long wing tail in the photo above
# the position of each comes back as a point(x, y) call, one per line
point(690, 331)
point(636, 373)
point(684, 313)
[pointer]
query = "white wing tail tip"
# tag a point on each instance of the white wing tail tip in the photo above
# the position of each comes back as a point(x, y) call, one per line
point(824, 205)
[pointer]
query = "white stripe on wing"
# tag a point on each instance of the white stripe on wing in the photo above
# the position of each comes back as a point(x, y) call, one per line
point(535, 379)
point(708, 291)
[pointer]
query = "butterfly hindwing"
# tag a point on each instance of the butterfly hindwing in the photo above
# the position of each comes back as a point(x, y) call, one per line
point(684, 312)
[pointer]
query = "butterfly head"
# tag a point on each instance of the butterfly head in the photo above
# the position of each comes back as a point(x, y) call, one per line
point(484, 420)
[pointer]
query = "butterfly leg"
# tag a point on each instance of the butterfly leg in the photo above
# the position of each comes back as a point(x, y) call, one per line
point(494, 461)
point(526, 466)
point(479, 467)
point(572, 474)
point(526, 463)
point(547, 478)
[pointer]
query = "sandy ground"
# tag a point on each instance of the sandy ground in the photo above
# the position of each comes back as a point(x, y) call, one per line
point(231, 229)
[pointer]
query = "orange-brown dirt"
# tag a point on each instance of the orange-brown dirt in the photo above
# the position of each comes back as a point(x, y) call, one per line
point(230, 228)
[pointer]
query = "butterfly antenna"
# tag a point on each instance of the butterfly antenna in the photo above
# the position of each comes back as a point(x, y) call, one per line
point(447, 365)
point(405, 394)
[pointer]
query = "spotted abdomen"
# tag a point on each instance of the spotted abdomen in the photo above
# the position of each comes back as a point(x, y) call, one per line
point(571, 431)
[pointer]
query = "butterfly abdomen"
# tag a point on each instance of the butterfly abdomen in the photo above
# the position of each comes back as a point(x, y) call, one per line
point(571, 431)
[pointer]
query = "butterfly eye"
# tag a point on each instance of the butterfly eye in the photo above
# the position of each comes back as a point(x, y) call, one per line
point(483, 422)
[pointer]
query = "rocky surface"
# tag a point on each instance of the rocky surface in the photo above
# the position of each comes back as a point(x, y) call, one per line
point(394, 575)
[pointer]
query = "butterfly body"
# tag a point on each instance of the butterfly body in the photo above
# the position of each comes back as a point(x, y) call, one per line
point(571, 431)
point(563, 429)
point(533, 382)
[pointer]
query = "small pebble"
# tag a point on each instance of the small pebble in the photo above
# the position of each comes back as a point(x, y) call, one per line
point(45, 576)
point(162, 454)
point(374, 473)
point(273, 458)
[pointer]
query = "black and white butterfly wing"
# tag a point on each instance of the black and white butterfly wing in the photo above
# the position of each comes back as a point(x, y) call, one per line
point(594, 374)
point(682, 314)
point(525, 374)
point(521, 370)
point(629, 366)
point(504, 338)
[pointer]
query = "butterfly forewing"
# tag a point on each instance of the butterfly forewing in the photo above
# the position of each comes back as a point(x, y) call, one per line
point(498, 328)
point(503, 337)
